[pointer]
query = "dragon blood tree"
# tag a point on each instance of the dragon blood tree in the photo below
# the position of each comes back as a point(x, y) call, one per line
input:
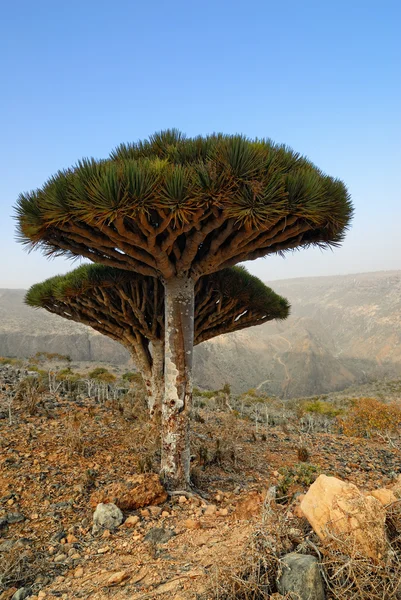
point(177, 208)
point(129, 308)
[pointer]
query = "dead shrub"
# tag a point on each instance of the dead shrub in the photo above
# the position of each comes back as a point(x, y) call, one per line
point(19, 567)
point(29, 393)
point(351, 575)
point(74, 434)
point(254, 576)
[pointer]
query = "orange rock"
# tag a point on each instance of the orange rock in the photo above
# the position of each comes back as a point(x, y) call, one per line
point(396, 487)
point(336, 507)
point(8, 593)
point(192, 524)
point(131, 521)
point(384, 496)
point(249, 506)
point(71, 539)
point(133, 493)
point(117, 578)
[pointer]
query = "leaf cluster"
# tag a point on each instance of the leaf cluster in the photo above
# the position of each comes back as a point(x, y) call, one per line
point(169, 180)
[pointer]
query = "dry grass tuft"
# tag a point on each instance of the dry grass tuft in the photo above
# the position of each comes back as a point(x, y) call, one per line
point(255, 576)
point(20, 567)
point(349, 574)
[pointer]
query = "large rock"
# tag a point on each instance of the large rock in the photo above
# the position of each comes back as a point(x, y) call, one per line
point(336, 508)
point(136, 492)
point(301, 576)
point(106, 516)
point(384, 496)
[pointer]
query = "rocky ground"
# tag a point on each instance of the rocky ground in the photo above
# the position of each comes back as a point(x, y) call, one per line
point(56, 464)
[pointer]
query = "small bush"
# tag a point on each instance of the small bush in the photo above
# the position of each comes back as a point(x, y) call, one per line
point(369, 417)
point(102, 374)
point(303, 475)
point(319, 407)
point(15, 362)
point(132, 377)
point(303, 454)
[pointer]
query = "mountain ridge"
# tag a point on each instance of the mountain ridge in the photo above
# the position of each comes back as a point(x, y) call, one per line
point(343, 330)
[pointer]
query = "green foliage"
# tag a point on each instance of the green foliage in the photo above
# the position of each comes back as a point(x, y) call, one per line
point(320, 407)
point(232, 283)
point(257, 182)
point(302, 474)
point(102, 374)
point(15, 362)
point(68, 375)
point(132, 377)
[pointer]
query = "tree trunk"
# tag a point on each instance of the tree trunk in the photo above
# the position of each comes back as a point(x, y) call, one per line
point(177, 403)
point(157, 380)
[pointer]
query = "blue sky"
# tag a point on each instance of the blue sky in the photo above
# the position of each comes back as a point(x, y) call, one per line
point(80, 77)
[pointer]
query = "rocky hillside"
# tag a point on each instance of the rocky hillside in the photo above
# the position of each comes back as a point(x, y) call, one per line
point(343, 330)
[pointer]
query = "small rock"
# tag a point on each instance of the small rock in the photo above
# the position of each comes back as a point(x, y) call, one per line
point(131, 521)
point(22, 593)
point(103, 550)
point(301, 576)
point(60, 558)
point(155, 511)
point(210, 510)
point(182, 500)
point(165, 514)
point(106, 516)
point(192, 524)
point(223, 512)
point(15, 518)
point(71, 539)
point(159, 535)
point(78, 572)
point(8, 594)
point(117, 578)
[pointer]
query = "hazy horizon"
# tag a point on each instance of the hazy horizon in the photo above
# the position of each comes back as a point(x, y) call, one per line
point(77, 88)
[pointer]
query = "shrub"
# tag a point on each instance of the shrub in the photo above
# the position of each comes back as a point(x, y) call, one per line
point(15, 362)
point(303, 474)
point(102, 374)
point(319, 407)
point(368, 417)
point(132, 377)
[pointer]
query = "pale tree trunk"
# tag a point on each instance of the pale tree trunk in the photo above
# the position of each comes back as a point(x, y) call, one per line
point(177, 402)
point(152, 372)
point(157, 380)
point(142, 364)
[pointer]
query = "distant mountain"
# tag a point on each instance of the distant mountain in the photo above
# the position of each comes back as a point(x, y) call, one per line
point(343, 330)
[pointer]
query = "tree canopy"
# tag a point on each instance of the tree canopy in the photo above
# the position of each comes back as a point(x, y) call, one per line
point(129, 307)
point(173, 205)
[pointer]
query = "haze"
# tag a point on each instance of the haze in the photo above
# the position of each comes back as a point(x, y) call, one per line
point(78, 78)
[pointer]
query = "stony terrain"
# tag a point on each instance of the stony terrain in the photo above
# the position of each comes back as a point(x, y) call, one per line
point(57, 464)
point(343, 331)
